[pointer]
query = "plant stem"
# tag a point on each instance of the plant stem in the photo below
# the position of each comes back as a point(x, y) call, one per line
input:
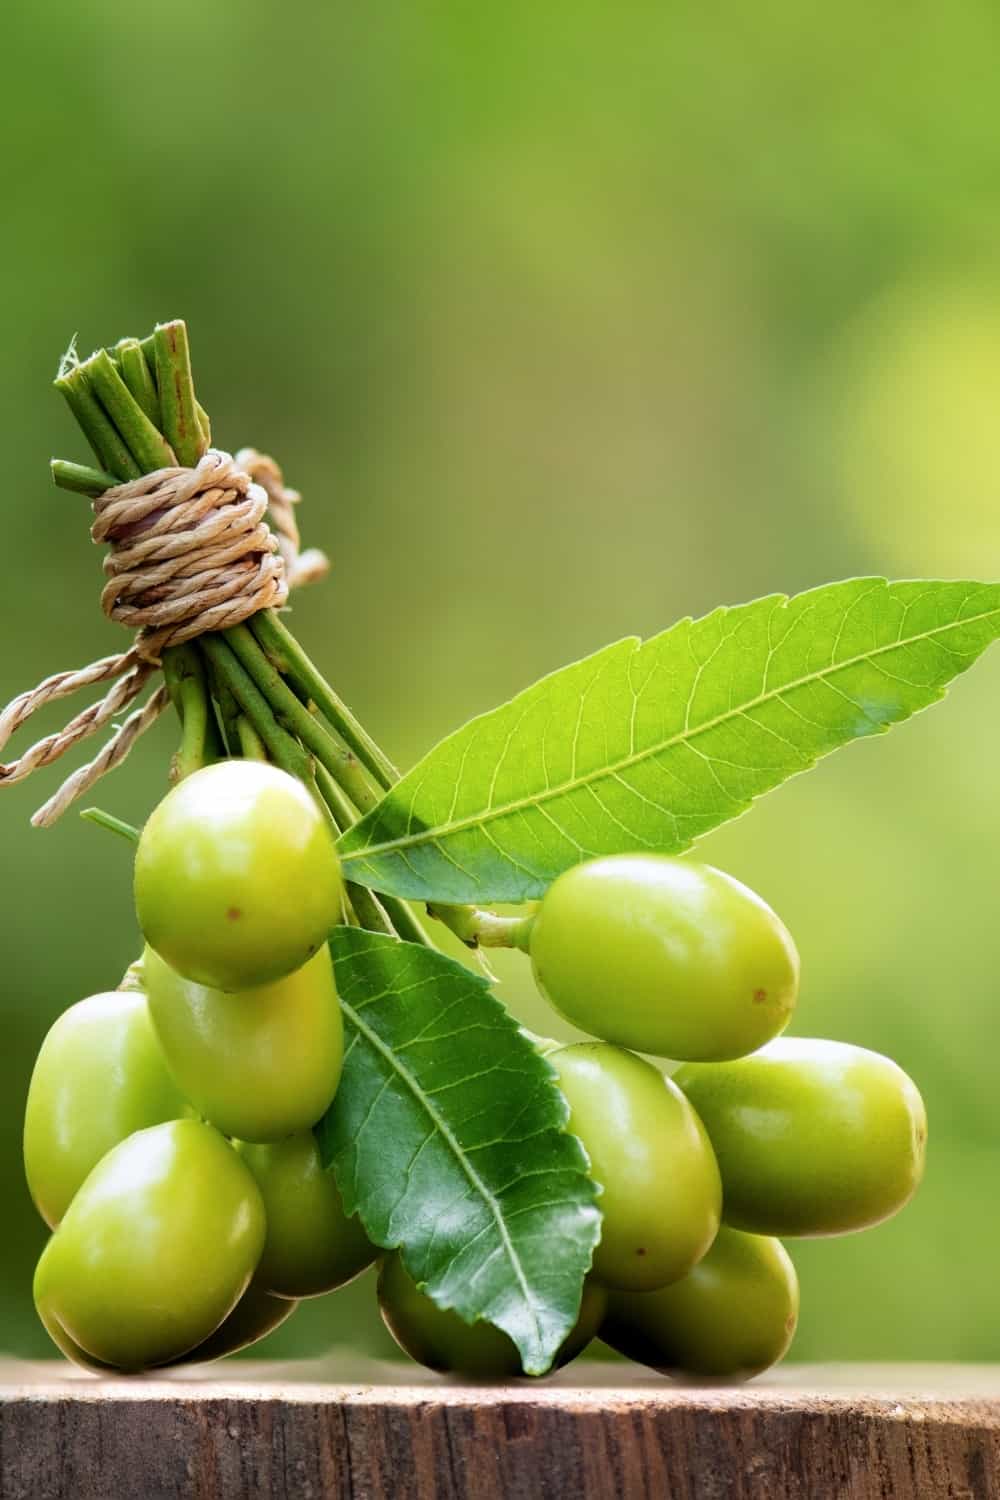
point(288, 657)
point(111, 452)
point(336, 799)
point(145, 442)
point(251, 745)
point(181, 426)
point(472, 926)
point(282, 747)
point(80, 478)
point(111, 823)
point(148, 348)
point(406, 921)
point(328, 747)
point(186, 682)
point(138, 377)
point(371, 914)
point(227, 708)
point(477, 928)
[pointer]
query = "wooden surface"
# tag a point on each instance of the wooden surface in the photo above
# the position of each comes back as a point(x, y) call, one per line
point(319, 1429)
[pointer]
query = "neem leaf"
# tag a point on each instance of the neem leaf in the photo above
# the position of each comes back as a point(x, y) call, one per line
point(648, 746)
point(447, 1138)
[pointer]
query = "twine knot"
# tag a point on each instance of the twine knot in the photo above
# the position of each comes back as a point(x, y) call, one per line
point(191, 551)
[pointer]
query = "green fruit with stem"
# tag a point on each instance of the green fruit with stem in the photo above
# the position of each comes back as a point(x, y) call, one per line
point(729, 1318)
point(100, 1076)
point(664, 955)
point(438, 1338)
point(812, 1137)
point(154, 1252)
point(661, 1197)
point(237, 879)
point(260, 1064)
point(312, 1246)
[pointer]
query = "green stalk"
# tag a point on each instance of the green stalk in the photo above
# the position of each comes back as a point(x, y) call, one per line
point(473, 927)
point(406, 921)
point(188, 687)
point(477, 928)
point(146, 444)
point(181, 426)
point(227, 708)
point(111, 452)
point(336, 799)
point(282, 747)
point(251, 745)
point(80, 479)
point(371, 914)
point(328, 747)
point(288, 657)
point(111, 823)
point(136, 374)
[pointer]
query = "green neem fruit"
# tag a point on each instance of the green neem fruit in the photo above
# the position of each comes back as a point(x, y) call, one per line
point(730, 1318)
point(665, 956)
point(312, 1246)
point(649, 1151)
point(260, 1064)
point(100, 1076)
point(441, 1340)
point(237, 879)
point(812, 1137)
point(155, 1250)
point(255, 1315)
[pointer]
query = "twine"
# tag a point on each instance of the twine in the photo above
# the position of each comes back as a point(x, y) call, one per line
point(300, 567)
point(191, 551)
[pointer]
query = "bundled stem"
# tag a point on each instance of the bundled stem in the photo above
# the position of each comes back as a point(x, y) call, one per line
point(247, 690)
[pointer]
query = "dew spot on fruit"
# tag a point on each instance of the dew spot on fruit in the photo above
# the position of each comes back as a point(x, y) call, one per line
point(233, 914)
point(641, 1250)
point(790, 1324)
point(759, 996)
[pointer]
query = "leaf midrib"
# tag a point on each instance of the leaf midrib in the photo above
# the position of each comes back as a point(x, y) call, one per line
point(454, 1145)
point(490, 815)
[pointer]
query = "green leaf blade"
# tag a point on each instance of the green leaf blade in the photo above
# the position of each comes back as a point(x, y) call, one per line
point(650, 745)
point(447, 1138)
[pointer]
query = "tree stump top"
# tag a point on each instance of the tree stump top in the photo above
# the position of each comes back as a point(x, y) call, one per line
point(350, 1430)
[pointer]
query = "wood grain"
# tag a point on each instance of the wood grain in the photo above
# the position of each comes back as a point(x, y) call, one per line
point(323, 1429)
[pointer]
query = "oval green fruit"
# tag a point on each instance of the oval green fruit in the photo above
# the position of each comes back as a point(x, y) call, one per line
point(730, 1318)
point(812, 1137)
point(255, 1315)
point(441, 1340)
point(312, 1246)
point(237, 878)
point(661, 1196)
point(100, 1076)
point(261, 1064)
point(155, 1250)
point(664, 955)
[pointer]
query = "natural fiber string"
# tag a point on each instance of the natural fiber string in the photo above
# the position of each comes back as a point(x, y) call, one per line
point(300, 567)
point(191, 551)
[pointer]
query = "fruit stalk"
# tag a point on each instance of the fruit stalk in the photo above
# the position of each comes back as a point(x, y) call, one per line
point(250, 690)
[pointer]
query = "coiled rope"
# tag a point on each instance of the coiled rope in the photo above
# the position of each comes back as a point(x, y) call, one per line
point(191, 551)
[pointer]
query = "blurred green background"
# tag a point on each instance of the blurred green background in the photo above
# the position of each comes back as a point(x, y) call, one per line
point(568, 320)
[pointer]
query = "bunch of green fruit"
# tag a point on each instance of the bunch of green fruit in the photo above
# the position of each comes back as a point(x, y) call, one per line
point(168, 1135)
point(292, 1081)
point(169, 1144)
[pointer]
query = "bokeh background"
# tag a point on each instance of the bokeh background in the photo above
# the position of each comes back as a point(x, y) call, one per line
point(568, 319)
